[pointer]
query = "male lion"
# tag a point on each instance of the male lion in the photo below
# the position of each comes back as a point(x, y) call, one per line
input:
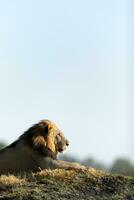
point(36, 149)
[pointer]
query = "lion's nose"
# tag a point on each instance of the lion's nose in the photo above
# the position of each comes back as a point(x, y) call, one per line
point(67, 142)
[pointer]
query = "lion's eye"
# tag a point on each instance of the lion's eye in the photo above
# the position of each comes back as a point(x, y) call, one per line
point(59, 134)
point(58, 137)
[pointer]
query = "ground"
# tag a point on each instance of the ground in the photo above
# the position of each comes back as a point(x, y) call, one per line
point(66, 184)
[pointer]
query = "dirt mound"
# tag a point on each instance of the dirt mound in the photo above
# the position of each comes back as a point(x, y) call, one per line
point(63, 184)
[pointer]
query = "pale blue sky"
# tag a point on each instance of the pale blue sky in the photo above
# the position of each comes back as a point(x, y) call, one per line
point(70, 62)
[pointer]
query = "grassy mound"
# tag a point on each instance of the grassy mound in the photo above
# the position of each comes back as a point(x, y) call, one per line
point(64, 184)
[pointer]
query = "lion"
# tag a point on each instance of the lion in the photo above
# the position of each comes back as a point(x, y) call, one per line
point(36, 149)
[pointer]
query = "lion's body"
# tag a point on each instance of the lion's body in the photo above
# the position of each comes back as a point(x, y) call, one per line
point(36, 149)
point(15, 159)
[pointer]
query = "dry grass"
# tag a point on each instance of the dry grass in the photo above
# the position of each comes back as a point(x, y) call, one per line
point(11, 180)
point(68, 174)
point(57, 174)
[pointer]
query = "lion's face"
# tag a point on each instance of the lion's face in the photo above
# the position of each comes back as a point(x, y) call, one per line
point(46, 137)
point(61, 142)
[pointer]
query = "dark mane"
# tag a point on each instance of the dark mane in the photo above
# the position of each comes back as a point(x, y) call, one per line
point(32, 131)
point(27, 138)
point(45, 152)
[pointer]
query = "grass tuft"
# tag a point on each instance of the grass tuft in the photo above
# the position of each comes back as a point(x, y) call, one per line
point(11, 180)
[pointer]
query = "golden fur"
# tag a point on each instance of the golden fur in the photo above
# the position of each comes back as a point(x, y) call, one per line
point(36, 149)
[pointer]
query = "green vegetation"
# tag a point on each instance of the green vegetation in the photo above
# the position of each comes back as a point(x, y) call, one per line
point(123, 166)
point(119, 166)
point(63, 184)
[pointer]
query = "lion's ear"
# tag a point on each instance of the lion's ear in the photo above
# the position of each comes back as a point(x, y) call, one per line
point(45, 130)
point(39, 141)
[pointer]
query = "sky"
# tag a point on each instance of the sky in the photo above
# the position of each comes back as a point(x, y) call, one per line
point(70, 62)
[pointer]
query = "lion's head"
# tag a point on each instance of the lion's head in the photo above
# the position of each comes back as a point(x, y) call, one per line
point(45, 138)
